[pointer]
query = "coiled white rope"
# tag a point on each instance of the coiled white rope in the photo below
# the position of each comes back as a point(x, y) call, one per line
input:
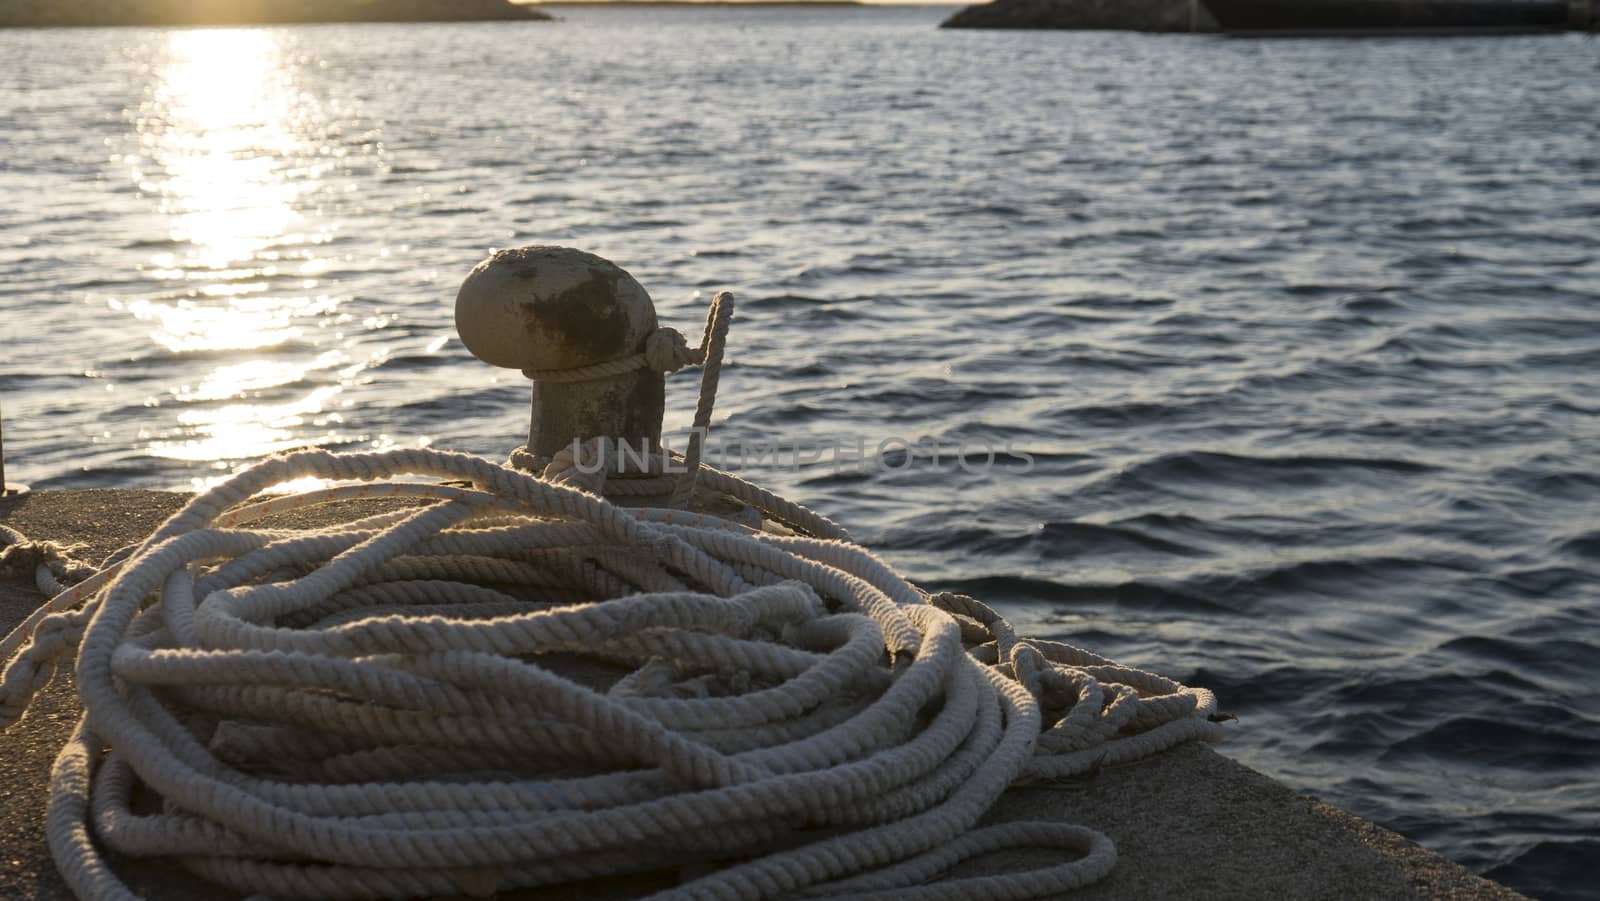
point(386, 708)
point(521, 684)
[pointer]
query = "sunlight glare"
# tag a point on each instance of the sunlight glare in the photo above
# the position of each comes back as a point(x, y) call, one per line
point(244, 431)
point(229, 150)
point(229, 111)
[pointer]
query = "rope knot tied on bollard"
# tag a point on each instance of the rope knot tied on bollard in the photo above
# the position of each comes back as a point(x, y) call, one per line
point(666, 350)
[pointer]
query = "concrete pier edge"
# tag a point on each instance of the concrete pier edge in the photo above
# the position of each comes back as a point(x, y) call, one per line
point(1189, 823)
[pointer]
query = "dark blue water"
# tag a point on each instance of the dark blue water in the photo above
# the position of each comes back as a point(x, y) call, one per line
point(1300, 336)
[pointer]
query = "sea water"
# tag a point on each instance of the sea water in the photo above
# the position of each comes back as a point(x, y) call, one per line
point(1293, 343)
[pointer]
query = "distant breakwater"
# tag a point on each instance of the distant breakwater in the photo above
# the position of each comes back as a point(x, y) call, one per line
point(1269, 17)
point(1115, 15)
point(53, 13)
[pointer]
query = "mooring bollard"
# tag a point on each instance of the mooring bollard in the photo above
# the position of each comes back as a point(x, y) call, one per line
point(548, 310)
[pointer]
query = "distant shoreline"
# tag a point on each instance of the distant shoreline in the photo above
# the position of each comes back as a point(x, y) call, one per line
point(700, 3)
point(160, 13)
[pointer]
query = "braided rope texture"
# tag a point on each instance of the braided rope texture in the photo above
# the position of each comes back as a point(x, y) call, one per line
point(521, 684)
point(52, 564)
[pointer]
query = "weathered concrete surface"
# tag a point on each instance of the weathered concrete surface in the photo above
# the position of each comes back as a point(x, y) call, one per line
point(1107, 15)
point(1188, 824)
point(52, 13)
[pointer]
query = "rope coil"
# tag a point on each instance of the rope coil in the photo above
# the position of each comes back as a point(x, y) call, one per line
point(387, 720)
point(520, 683)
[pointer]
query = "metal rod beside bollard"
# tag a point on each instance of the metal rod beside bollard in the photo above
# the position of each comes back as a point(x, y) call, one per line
point(7, 489)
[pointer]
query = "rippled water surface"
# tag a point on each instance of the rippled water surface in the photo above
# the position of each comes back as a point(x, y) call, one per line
point(1301, 337)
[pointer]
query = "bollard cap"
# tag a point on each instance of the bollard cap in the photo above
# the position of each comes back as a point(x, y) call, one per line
point(543, 307)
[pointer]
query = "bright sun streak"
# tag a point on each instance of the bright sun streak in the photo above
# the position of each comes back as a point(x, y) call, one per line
point(229, 108)
point(220, 140)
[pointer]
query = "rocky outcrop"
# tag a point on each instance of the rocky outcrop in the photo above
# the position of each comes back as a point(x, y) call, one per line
point(1113, 15)
point(47, 13)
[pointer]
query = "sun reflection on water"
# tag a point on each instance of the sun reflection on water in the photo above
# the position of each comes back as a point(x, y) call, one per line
point(231, 149)
point(256, 428)
point(229, 111)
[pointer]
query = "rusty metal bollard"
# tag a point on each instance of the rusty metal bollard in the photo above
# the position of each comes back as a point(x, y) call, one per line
point(555, 308)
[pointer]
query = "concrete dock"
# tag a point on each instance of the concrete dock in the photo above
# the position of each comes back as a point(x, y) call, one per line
point(1189, 823)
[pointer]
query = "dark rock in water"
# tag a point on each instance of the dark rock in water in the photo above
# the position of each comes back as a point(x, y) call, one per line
point(1114, 15)
point(49, 13)
point(1400, 16)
